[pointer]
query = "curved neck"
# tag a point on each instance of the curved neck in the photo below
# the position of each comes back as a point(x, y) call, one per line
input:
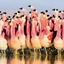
point(33, 32)
point(12, 32)
point(21, 29)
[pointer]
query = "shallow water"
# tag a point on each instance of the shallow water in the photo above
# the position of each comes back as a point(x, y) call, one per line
point(33, 59)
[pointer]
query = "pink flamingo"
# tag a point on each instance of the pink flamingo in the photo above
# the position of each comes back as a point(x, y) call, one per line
point(21, 32)
point(58, 42)
point(14, 42)
point(46, 37)
point(35, 39)
point(28, 44)
point(3, 44)
point(45, 34)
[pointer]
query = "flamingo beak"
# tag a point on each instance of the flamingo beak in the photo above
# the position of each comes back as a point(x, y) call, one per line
point(59, 11)
point(63, 10)
point(18, 11)
point(29, 5)
point(53, 9)
point(48, 15)
point(42, 12)
point(56, 9)
point(46, 10)
point(0, 11)
point(21, 8)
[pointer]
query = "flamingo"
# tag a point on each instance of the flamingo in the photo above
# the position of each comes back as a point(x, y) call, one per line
point(24, 11)
point(45, 38)
point(58, 42)
point(45, 33)
point(21, 32)
point(28, 44)
point(14, 41)
point(35, 39)
point(3, 45)
point(28, 30)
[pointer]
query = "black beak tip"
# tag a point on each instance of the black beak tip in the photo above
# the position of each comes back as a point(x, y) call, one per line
point(46, 10)
point(18, 11)
point(59, 11)
point(29, 5)
point(53, 9)
point(21, 8)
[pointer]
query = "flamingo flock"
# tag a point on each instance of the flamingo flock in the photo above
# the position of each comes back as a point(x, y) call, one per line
point(32, 30)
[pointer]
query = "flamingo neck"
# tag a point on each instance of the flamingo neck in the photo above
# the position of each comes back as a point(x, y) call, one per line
point(62, 15)
point(21, 29)
point(12, 32)
point(33, 28)
point(58, 31)
point(28, 29)
point(63, 33)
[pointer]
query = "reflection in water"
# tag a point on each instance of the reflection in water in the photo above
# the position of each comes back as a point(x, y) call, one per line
point(14, 60)
point(58, 60)
point(44, 59)
point(3, 60)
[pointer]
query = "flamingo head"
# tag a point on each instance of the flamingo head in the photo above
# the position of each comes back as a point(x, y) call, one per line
point(29, 5)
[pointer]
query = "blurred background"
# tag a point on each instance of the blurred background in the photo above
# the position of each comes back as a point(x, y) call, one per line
point(13, 5)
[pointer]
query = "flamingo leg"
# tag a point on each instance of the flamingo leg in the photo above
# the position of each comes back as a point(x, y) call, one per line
point(15, 52)
point(39, 52)
point(59, 53)
point(46, 53)
point(34, 52)
point(23, 51)
point(4, 53)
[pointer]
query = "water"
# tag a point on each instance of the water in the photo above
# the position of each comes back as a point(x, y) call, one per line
point(31, 59)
